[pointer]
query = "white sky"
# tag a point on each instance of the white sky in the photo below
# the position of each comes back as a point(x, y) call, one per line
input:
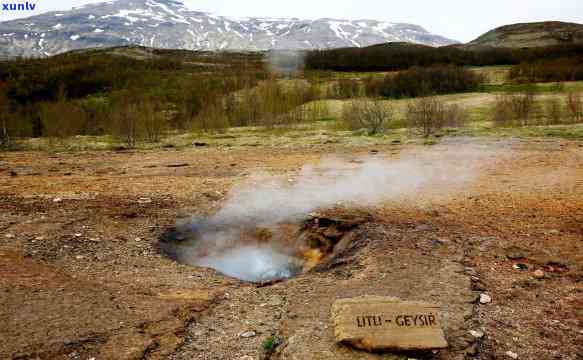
point(462, 20)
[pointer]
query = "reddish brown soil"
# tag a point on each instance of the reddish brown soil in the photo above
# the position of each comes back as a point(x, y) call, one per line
point(81, 274)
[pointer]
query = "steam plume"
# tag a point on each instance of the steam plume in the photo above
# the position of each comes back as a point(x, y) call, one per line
point(286, 62)
point(368, 181)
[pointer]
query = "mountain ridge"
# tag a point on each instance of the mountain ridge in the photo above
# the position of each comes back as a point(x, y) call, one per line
point(170, 24)
point(532, 34)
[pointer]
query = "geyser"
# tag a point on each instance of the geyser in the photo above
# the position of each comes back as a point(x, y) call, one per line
point(263, 232)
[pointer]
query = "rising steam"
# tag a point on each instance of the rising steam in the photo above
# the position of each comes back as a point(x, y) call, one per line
point(265, 201)
point(286, 62)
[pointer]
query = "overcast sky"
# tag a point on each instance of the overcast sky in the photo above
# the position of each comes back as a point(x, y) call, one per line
point(462, 20)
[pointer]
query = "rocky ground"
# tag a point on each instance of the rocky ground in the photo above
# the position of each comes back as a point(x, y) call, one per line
point(82, 275)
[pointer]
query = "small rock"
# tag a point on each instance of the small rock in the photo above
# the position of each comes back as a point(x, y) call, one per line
point(248, 334)
point(79, 257)
point(478, 334)
point(539, 274)
point(276, 301)
point(9, 236)
point(57, 200)
point(485, 299)
point(472, 350)
point(144, 201)
point(246, 357)
point(520, 266)
point(440, 241)
point(78, 235)
point(512, 355)
point(478, 286)
point(214, 195)
point(471, 271)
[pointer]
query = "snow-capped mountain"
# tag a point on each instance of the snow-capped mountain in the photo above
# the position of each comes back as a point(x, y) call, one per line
point(169, 24)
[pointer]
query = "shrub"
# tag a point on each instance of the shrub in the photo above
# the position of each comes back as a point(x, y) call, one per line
point(522, 106)
point(503, 115)
point(512, 110)
point(97, 113)
point(345, 89)
point(135, 118)
point(125, 119)
point(317, 110)
point(153, 119)
point(61, 119)
point(455, 116)
point(425, 81)
point(575, 107)
point(4, 117)
point(271, 103)
point(431, 114)
point(425, 113)
point(212, 117)
point(366, 114)
point(270, 344)
point(554, 111)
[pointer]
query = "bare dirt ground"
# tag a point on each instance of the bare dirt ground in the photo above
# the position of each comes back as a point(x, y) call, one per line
point(82, 276)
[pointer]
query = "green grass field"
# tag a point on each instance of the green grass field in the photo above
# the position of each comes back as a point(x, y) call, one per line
point(324, 125)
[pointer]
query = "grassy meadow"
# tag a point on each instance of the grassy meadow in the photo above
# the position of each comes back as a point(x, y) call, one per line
point(125, 98)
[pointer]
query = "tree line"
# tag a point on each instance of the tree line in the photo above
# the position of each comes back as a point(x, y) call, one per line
point(556, 70)
point(401, 56)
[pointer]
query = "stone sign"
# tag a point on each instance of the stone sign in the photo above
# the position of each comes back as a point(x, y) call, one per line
point(379, 323)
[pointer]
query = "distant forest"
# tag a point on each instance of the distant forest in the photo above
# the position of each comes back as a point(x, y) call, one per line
point(401, 56)
point(109, 91)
